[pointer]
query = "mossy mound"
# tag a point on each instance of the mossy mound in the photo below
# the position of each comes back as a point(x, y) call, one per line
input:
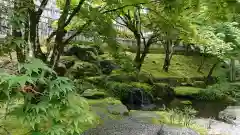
point(108, 108)
point(188, 92)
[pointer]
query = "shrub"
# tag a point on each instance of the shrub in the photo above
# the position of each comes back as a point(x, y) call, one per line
point(219, 91)
point(50, 106)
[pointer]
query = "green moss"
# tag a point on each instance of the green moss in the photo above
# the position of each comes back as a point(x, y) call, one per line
point(100, 107)
point(103, 102)
point(14, 126)
point(181, 66)
point(187, 91)
point(144, 86)
point(70, 58)
point(173, 119)
point(186, 102)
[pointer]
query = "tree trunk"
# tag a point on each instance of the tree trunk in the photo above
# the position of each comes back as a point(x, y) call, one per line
point(37, 52)
point(58, 49)
point(232, 71)
point(168, 55)
point(208, 79)
point(201, 64)
point(137, 59)
point(17, 34)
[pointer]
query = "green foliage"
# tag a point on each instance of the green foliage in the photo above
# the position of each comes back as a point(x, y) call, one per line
point(220, 91)
point(120, 89)
point(51, 106)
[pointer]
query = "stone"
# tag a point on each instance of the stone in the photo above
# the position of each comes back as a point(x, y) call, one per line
point(93, 94)
point(231, 115)
point(83, 53)
point(162, 91)
point(144, 116)
point(108, 108)
point(130, 127)
point(82, 69)
point(138, 97)
point(107, 66)
point(117, 109)
point(215, 127)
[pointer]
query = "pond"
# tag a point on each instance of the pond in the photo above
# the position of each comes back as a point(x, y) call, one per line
point(205, 109)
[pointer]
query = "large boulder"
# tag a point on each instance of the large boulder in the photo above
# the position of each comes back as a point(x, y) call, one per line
point(144, 116)
point(82, 69)
point(130, 127)
point(231, 115)
point(215, 127)
point(163, 91)
point(117, 109)
point(107, 66)
point(64, 64)
point(83, 53)
point(108, 108)
point(138, 97)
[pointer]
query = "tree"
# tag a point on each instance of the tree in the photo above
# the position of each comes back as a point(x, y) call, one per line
point(133, 20)
point(175, 24)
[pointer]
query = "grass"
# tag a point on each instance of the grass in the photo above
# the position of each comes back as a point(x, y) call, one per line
point(187, 91)
point(181, 66)
point(174, 119)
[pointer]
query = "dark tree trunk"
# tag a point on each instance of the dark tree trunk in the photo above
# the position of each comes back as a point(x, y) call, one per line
point(60, 33)
point(168, 56)
point(201, 64)
point(137, 59)
point(37, 52)
point(17, 34)
point(209, 76)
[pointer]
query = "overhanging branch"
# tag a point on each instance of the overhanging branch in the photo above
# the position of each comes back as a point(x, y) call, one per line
point(79, 31)
point(75, 11)
point(40, 9)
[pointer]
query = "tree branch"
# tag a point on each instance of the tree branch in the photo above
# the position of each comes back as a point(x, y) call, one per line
point(40, 9)
point(77, 32)
point(75, 11)
point(51, 36)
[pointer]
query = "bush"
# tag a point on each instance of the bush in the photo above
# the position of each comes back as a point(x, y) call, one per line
point(50, 106)
point(121, 90)
point(220, 91)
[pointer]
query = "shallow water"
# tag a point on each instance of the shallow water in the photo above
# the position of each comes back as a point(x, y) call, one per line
point(206, 109)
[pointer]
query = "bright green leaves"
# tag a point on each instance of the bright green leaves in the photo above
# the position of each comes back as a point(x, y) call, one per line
point(59, 87)
point(55, 109)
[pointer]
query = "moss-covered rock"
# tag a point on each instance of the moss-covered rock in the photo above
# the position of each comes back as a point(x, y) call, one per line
point(199, 84)
point(186, 102)
point(82, 69)
point(117, 109)
point(149, 117)
point(84, 53)
point(163, 91)
point(108, 108)
point(188, 92)
point(93, 94)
